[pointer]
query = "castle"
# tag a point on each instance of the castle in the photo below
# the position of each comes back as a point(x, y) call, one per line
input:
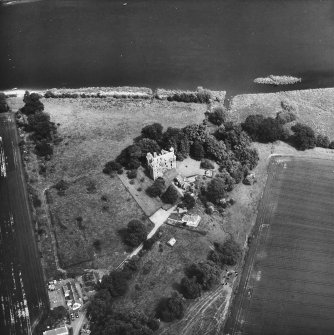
point(159, 164)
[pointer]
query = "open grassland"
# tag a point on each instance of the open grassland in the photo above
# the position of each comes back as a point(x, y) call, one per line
point(312, 107)
point(95, 131)
point(287, 283)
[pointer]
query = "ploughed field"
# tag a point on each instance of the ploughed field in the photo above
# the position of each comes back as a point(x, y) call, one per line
point(23, 297)
point(287, 286)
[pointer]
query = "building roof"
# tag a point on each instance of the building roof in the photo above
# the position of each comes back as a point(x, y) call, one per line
point(57, 331)
point(191, 220)
point(172, 241)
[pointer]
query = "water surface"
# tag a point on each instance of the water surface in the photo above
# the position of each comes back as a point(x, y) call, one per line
point(220, 44)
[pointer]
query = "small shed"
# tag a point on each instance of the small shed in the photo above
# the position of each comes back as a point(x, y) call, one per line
point(171, 242)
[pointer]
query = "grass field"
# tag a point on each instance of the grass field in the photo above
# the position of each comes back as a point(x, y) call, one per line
point(287, 285)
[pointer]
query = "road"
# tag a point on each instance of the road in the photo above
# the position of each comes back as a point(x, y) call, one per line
point(23, 293)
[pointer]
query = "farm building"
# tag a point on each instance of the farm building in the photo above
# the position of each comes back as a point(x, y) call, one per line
point(159, 164)
point(191, 220)
point(57, 331)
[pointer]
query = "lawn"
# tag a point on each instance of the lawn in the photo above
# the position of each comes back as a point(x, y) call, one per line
point(287, 284)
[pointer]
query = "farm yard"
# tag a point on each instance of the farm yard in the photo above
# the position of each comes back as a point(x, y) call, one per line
point(287, 284)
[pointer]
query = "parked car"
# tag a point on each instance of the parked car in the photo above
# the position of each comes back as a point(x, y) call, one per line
point(76, 314)
point(72, 316)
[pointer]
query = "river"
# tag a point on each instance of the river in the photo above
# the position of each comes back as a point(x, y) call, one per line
point(219, 44)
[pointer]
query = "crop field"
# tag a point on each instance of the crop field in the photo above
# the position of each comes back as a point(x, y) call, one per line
point(287, 285)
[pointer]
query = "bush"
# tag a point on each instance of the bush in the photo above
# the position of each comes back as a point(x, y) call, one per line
point(218, 116)
point(61, 185)
point(288, 106)
point(132, 265)
point(304, 137)
point(206, 164)
point(171, 308)
point(170, 196)
point(322, 141)
point(97, 245)
point(197, 151)
point(153, 131)
point(36, 201)
point(157, 188)
point(204, 96)
point(3, 103)
point(132, 174)
point(136, 233)
point(190, 288)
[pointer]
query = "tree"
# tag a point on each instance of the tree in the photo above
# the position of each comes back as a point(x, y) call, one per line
point(170, 196)
point(235, 169)
point(148, 145)
point(188, 201)
point(227, 253)
point(40, 124)
point(331, 145)
point(271, 130)
point(3, 103)
point(285, 117)
point(116, 283)
point(100, 305)
point(152, 131)
point(111, 166)
point(216, 190)
point(190, 288)
point(218, 116)
point(207, 164)
point(215, 149)
point(174, 137)
point(248, 157)
point(322, 141)
point(196, 132)
point(252, 125)
point(32, 103)
point(206, 274)
point(171, 308)
point(43, 148)
point(157, 188)
point(130, 157)
point(233, 135)
point(136, 233)
point(304, 137)
point(226, 178)
point(197, 151)
point(131, 266)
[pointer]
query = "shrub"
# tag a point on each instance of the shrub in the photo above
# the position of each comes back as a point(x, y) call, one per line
point(304, 137)
point(36, 201)
point(170, 196)
point(218, 116)
point(132, 174)
point(61, 185)
point(135, 234)
point(97, 245)
point(322, 141)
point(157, 188)
point(197, 151)
point(153, 131)
point(190, 288)
point(204, 96)
point(132, 265)
point(206, 164)
point(288, 106)
point(171, 308)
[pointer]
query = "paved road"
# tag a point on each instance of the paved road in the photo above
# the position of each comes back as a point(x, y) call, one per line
point(22, 291)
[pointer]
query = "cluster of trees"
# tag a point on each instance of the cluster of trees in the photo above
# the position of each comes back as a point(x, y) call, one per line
point(105, 319)
point(227, 253)
point(202, 96)
point(270, 129)
point(4, 108)
point(38, 123)
point(135, 234)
